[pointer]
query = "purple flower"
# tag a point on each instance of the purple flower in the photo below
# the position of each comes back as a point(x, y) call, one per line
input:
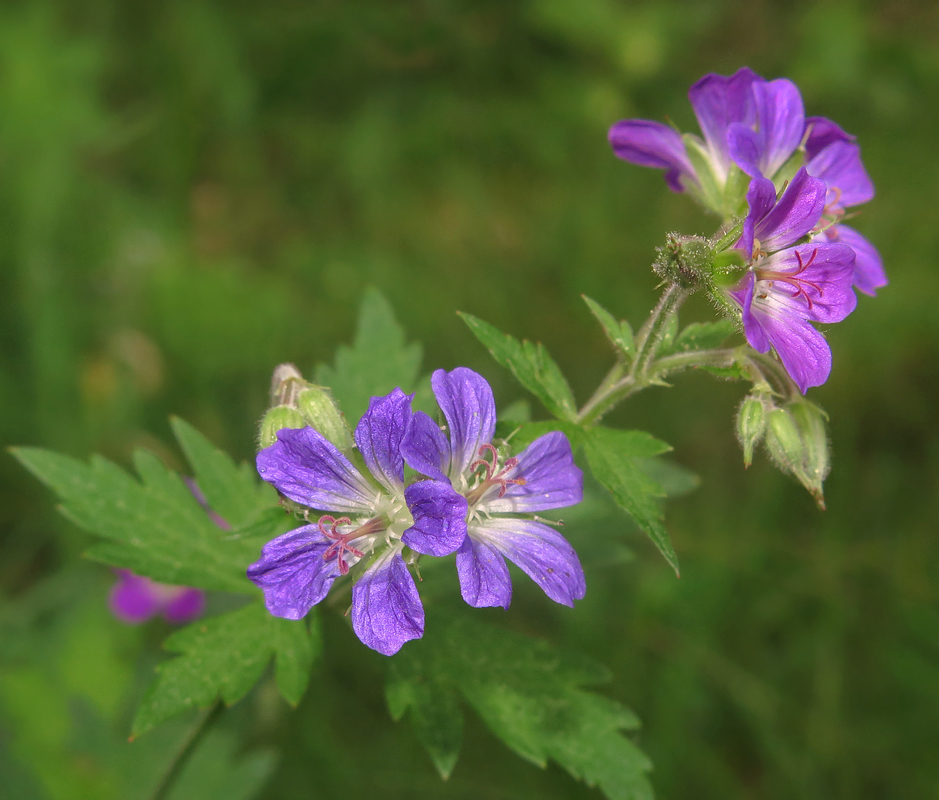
point(757, 127)
point(135, 599)
point(748, 123)
point(789, 285)
point(372, 517)
point(542, 477)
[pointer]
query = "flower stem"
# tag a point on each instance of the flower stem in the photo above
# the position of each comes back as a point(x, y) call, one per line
point(186, 748)
point(620, 383)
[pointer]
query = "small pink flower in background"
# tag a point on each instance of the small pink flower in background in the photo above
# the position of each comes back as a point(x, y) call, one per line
point(135, 600)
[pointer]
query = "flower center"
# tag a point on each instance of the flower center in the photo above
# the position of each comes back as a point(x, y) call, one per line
point(341, 542)
point(793, 279)
point(492, 476)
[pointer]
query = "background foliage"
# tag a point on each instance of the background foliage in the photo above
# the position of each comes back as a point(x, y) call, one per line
point(194, 191)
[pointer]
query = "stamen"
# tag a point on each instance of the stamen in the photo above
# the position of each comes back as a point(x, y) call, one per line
point(485, 449)
point(490, 479)
point(793, 280)
point(340, 541)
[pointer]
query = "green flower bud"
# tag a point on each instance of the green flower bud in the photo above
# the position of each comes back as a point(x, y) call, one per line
point(751, 424)
point(685, 260)
point(318, 408)
point(816, 462)
point(296, 403)
point(797, 442)
point(276, 419)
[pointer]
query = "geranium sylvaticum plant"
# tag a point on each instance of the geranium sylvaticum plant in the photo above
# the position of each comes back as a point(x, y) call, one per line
point(402, 503)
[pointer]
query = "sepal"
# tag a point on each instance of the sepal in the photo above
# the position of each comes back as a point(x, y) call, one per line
point(797, 441)
point(751, 424)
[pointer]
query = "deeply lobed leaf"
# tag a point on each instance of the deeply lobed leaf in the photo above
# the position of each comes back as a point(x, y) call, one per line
point(156, 527)
point(615, 459)
point(529, 695)
point(222, 658)
point(378, 360)
point(531, 365)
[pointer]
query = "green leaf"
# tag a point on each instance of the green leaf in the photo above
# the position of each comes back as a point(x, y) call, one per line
point(618, 332)
point(231, 491)
point(530, 695)
point(223, 657)
point(531, 365)
point(614, 456)
point(700, 336)
point(155, 527)
point(377, 362)
point(435, 712)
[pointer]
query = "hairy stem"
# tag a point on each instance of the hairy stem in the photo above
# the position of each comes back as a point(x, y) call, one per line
point(620, 384)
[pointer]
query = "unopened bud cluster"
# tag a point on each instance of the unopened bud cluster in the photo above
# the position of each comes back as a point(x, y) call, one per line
point(296, 403)
point(687, 261)
point(794, 435)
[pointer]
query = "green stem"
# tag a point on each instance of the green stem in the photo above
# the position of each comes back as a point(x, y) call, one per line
point(618, 384)
point(650, 334)
point(186, 748)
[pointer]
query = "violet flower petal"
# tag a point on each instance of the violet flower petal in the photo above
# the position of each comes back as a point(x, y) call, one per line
point(185, 605)
point(769, 320)
point(484, 575)
point(378, 437)
point(552, 479)
point(466, 400)
point(293, 573)
point(821, 133)
point(869, 272)
point(763, 147)
point(425, 448)
point(133, 599)
point(539, 551)
point(439, 513)
point(720, 101)
point(812, 280)
point(761, 197)
point(839, 166)
point(310, 470)
point(652, 144)
point(386, 609)
point(794, 215)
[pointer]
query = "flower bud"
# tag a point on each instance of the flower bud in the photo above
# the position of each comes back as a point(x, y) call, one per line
point(318, 408)
point(296, 403)
point(797, 441)
point(685, 260)
point(276, 419)
point(751, 424)
point(816, 463)
point(286, 383)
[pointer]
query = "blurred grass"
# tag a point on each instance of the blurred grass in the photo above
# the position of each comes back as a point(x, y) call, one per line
point(194, 191)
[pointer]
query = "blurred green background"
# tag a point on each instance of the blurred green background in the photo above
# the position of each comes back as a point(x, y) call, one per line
point(192, 192)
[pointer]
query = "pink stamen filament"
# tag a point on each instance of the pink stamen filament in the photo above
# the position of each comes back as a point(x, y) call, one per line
point(832, 209)
point(329, 527)
point(490, 479)
point(792, 278)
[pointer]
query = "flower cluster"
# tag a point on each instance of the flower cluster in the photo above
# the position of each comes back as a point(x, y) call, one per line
point(377, 522)
point(801, 260)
